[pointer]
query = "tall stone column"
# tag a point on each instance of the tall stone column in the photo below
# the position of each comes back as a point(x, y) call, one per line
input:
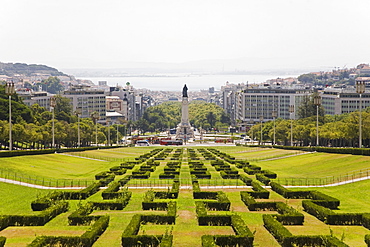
point(185, 110)
point(184, 130)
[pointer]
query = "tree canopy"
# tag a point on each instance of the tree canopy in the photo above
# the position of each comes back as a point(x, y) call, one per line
point(168, 115)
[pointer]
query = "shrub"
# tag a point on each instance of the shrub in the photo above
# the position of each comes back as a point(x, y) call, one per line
point(245, 179)
point(276, 229)
point(2, 241)
point(263, 179)
point(87, 239)
point(367, 239)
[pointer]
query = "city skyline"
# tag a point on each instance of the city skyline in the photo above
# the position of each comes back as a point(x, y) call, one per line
point(209, 35)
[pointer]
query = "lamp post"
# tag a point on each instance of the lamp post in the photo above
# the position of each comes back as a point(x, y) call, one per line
point(117, 134)
point(52, 106)
point(10, 90)
point(360, 89)
point(261, 119)
point(78, 113)
point(95, 117)
point(108, 133)
point(291, 110)
point(274, 115)
point(317, 102)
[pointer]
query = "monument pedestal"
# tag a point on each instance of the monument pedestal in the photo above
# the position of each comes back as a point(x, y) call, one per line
point(184, 131)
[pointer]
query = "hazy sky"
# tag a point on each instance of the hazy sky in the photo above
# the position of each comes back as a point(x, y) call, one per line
point(114, 33)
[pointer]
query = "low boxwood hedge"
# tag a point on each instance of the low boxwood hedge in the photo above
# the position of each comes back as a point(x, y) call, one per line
point(87, 239)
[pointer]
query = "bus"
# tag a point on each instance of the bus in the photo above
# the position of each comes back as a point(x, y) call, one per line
point(170, 142)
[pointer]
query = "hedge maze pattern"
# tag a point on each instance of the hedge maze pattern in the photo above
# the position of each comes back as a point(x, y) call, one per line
point(160, 206)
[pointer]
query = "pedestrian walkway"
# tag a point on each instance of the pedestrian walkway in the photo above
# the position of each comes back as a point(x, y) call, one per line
point(9, 181)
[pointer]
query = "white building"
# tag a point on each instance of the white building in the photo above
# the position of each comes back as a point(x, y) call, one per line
point(256, 104)
point(88, 101)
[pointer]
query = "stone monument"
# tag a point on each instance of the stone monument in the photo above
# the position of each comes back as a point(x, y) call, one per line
point(184, 130)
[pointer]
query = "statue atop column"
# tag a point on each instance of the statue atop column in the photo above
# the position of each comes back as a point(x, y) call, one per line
point(184, 129)
point(185, 91)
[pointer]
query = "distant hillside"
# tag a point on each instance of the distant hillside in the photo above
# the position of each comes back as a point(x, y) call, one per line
point(11, 69)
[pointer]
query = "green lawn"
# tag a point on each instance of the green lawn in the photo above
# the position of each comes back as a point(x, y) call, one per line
point(316, 165)
point(54, 166)
point(11, 203)
point(115, 154)
point(255, 153)
point(17, 199)
point(354, 197)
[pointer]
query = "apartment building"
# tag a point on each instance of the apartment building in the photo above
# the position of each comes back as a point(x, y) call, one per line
point(87, 100)
point(30, 97)
point(258, 104)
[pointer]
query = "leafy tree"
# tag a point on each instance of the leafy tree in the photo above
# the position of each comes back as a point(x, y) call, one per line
point(53, 85)
point(307, 78)
point(307, 108)
point(201, 114)
point(211, 118)
point(19, 110)
point(63, 108)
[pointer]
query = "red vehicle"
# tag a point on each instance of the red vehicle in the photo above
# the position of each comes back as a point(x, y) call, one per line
point(170, 142)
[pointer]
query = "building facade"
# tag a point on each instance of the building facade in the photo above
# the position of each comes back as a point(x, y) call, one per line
point(340, 101)
point(87, 100)
point(29, 97)
point(258, 104)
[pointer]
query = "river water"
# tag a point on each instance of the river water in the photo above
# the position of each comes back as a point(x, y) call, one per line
point(176, 82)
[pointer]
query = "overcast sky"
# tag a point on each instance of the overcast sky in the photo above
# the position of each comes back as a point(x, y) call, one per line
point(114, 33)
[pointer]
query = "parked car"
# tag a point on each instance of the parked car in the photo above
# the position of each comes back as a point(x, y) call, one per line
point(142, 143)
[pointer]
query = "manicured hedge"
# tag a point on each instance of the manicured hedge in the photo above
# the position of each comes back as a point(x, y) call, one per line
point(243, 237)
point(330, 217)
point(287, 239)
point(289, 194)
point(263, 179)
point(276, 229)
point(119, 204)
point(113, 191)
point(258, 191)
point(81, 215)
point(48, 200)
point(367, 239)
point(324, 200)
point(34, 220)
point(253, 205)
point(131, 239)
point(366, 220)
point(87, 239)
point(2, 241)
point(245, 179)
point(84, 193)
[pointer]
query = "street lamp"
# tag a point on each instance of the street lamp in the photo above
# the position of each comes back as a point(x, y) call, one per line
point(95, 117)
point(10, 90)
point(317, 102)
point(360, 89)
point(117, 134)
point(261, 119)
point(291, 110)
point(52, 106)
point(78, 113)
point(274, 115)
point(108, 133)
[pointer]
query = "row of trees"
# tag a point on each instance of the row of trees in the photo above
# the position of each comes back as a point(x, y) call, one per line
point(30, 135)
point(168, 115)
point(337, 131)
point(32, 126)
